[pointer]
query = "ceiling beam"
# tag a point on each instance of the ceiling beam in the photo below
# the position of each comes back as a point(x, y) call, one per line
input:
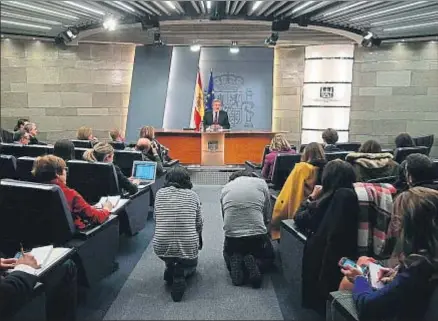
point(195, 6)
point(239, 7)
point(233, 8)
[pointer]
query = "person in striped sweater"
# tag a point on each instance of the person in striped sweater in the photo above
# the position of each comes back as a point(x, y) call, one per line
point(178, 227)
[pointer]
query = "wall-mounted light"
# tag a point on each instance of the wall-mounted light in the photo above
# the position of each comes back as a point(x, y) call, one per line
point(369, 40)
point(195, 47)
point(234, 49)
point(157, 39)
point(272, 39)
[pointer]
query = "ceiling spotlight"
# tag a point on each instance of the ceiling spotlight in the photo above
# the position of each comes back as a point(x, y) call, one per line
point(195, 47)
point(70, 34)
point(272, 39)
point(208, 5)
point(3, 36)
point(110, 24)
point(234, 49)
point(67, 36)
point(369, 40)
point(157, 39)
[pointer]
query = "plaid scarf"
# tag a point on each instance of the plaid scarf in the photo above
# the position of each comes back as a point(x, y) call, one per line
point(378, 228)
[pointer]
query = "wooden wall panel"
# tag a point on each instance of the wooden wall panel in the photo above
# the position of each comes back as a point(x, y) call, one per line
point(240, 148)
point(185, 148)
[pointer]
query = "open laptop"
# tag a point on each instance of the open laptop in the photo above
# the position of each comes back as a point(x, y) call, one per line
point(144, 171)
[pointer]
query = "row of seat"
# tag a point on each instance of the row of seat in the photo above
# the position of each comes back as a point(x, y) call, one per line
point(285, 163)
point(122, 158)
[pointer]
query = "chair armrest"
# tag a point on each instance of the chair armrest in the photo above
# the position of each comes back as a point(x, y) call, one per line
point(253, 165)
point(86, 234)
point(171, 163)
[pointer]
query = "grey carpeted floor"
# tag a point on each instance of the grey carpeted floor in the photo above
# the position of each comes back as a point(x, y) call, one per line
point(209, 295)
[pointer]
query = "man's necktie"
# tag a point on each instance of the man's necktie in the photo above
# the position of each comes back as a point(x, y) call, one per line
point(215, 118)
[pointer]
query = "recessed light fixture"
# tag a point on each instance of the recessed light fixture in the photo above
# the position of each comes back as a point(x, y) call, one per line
point(170, 4)
point(195, 47)
point(208, 5)
point(129, 8)
point(3, 36)
point(377, 13)
point(234, 49)
point(38, 9)
point(110, 24)
point(256, 5)
point(25, 25)
point(80, 6)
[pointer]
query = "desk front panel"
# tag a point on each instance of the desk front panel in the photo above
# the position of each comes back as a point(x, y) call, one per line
point(240, 147)
point(185, 147)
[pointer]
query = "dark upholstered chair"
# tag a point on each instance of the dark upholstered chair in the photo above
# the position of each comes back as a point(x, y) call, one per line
point(8, 166)
point(424, 141)
point(125, 158)
point(253, 166)
point(117, 145)
point(92, 180)
point(284, 164)
point(82, 143)
point(33, 214)
point(349, 147)
point(435, 164)
point(24, 168)
point(19, 150)
point(6, 136)
point(400, 154)
point(79, 152)
point(337, 155)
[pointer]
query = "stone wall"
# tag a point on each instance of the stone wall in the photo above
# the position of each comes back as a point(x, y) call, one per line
point(61, 90)
point(288, 87)
point(395, 89)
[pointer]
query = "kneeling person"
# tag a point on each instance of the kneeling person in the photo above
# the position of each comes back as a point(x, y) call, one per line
point(245, 205)
point(178, 227)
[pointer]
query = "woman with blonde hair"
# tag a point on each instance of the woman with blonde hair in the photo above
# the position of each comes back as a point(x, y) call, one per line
point(85, 133)
point(51, 169)
point(104, 152)
point(279, 144)
point(408, 289)
point(298, 186)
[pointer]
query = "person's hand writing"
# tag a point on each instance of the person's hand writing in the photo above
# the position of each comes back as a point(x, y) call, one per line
point(351, 273)
point(385, 275)
point(7, 263)
point(108, 205)
point(316, 192)
point(28, 259)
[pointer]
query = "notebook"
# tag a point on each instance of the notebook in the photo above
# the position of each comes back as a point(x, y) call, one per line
point(145, 172)
point(47, 256)
point(116, 201)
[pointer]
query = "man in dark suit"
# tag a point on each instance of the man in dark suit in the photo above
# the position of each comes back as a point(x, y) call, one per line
point(217, 117)
point(16, 288)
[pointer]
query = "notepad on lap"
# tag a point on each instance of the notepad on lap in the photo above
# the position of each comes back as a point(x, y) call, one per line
point(47, 256)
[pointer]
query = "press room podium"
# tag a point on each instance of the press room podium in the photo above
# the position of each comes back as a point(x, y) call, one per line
point(215, 148)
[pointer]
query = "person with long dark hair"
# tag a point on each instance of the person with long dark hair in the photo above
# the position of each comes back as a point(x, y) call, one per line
point(404, 140)
point(178, 227)
point(332, 225)
point(337, 175)
point(408, 288)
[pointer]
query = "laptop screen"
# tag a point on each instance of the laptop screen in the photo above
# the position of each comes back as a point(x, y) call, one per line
point(144, 170)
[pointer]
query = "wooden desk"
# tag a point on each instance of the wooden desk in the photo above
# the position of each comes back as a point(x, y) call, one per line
point(238, 146)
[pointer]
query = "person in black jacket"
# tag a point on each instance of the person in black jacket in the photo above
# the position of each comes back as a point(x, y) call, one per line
point(149, 152)
point(16, 288)
point(330, 138)
point(217, 117)
point(104, 152)
point(417, 170)
point(64, 149)
point(20, 124)
point(335, 236)
point(336, 174)
point(32, 130)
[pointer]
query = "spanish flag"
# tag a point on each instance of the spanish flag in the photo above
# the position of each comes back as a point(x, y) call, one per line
point(199, 102)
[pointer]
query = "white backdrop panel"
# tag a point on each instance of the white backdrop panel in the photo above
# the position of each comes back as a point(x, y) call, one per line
point(330, 51)
point(322, 118)
point(335, 70)
point(309, 136)
point(341, 95)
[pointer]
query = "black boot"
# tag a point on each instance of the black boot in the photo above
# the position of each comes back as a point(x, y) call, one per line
point(179, 284)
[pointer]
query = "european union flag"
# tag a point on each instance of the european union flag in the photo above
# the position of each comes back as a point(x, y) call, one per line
point(210, 93)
